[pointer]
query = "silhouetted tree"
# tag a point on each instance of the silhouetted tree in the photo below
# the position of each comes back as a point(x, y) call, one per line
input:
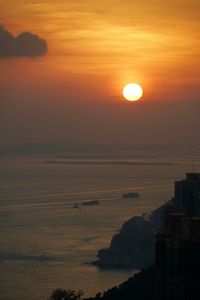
point(98, 296)
point(61, 294)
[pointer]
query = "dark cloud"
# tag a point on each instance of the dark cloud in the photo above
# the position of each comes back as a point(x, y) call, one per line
point(25, 44)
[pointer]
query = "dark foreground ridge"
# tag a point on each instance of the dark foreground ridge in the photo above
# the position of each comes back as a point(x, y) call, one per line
point(139, 287)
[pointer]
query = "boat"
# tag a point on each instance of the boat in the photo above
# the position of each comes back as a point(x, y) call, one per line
point(76, 205)
point(91, 202)
point(131, 195)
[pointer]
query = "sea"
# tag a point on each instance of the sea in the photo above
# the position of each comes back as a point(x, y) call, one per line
point(47, 243)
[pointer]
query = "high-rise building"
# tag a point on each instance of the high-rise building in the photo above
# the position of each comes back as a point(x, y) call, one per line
point(187, 195)
point(186, 199)
point(178, 258)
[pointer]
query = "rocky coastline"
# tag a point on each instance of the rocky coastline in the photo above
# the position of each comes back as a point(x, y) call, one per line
point(134, 245)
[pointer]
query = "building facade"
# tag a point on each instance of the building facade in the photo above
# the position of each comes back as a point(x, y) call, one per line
point(178, 259)
point(186, 199)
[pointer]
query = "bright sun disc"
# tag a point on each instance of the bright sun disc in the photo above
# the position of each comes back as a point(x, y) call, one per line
point(132, 92)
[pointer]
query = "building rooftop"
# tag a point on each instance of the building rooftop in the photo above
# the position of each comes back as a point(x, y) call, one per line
point(193, 176)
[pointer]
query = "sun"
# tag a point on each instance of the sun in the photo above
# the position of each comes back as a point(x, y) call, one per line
point(132, 92)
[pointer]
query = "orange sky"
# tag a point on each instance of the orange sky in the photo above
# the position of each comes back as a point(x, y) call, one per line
point(145, 41)
point(95, 47)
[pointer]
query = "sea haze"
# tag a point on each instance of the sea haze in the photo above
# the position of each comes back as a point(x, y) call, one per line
point(46, 243)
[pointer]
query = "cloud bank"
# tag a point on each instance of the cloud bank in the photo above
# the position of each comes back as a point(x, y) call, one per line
point(25, 44)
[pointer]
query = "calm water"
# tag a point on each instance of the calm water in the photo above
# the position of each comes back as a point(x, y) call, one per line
point(46, 243)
